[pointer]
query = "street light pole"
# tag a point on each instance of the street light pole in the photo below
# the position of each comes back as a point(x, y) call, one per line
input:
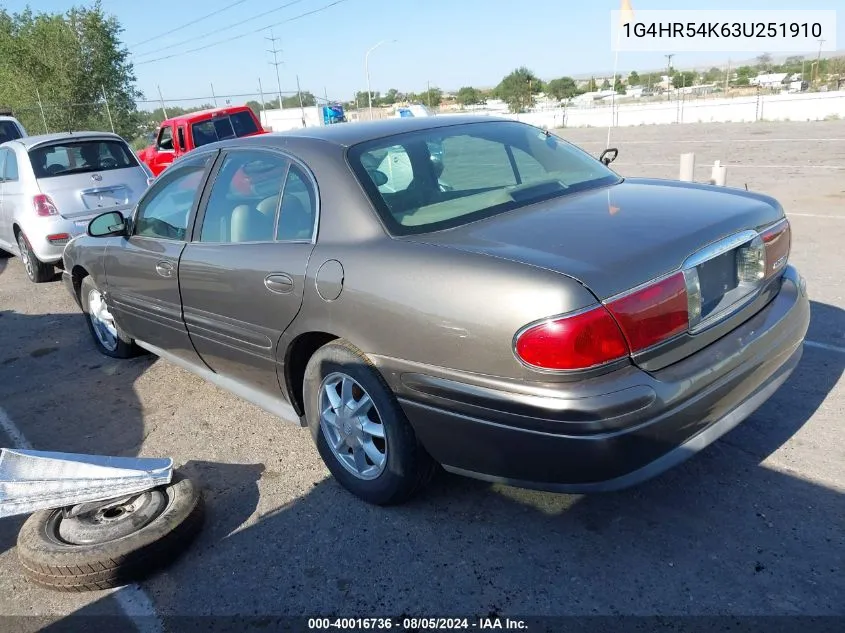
point(669, 74)
point(367, 70)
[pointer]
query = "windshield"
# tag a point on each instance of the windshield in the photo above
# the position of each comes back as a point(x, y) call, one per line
point(77, 157)
point(447, 176)
point(221, 128)
point(9, 131)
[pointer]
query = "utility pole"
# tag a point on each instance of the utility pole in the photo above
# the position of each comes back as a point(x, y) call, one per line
point(428, 92)
point(301, 107)
point(213, 96)
point(728, 76)
point(819, 59)
point(162, 102)
point(276, 63)
point(668, 74)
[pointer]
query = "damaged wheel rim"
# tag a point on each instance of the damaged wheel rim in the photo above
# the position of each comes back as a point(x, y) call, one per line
point(102, 320)
point(109, 521)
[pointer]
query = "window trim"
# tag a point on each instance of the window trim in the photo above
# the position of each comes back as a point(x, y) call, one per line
point(212, 178)
point(3, 153)
point(11, 153)
point(189, 160)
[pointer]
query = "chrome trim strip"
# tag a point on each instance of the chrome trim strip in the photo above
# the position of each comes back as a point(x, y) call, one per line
point(718, 248)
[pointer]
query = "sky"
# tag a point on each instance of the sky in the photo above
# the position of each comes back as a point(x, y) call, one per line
point(449, 43)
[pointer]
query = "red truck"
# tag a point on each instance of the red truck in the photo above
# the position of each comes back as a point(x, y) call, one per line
point(181, 134)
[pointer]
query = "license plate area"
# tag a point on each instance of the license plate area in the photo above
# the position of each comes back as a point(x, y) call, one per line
point(718, 279)
point(95, 199)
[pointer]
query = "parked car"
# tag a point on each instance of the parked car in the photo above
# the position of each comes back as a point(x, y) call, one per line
point(182, 134)
point(541, 321)
point(10, 127)
point(52, 185)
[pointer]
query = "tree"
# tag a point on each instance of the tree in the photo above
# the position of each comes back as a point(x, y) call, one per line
point(682, 79)
point(71, 59)
point(431, 97)
point(634, 78)
point(744, 75)
point(714, 75)
point(764, 61)
point(518, 89)
point(619, 87)
point(469, 96)
point(591, 85)
point(562, 88)
point(390, 98)
point(255, 107)
point(605, 85)
point(308, 99)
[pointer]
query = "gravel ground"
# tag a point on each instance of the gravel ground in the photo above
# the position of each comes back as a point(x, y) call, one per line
point(753, 525)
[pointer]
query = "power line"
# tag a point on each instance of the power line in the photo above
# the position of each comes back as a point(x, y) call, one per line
point(191, 23)
point(228, 27)
point(236, 37)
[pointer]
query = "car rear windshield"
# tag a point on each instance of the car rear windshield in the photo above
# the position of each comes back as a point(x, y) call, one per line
point(448, 176)
point(9, 131)
point(79, 157)
point(223, 127)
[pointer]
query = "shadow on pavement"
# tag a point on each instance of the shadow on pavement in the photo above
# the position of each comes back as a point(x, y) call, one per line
point(725, 533)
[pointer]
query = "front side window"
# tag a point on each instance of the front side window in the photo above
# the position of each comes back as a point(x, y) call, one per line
point(448, 176)
point(78, 157)
point(165, 210)
point(245, 198)
point(165, 139)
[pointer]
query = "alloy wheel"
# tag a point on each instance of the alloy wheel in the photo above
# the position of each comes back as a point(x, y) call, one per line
point(352, 426)
point(23, 247)
point(102, 320)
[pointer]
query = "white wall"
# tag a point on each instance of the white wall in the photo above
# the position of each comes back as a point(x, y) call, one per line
point(290, 118)
point(795, 107)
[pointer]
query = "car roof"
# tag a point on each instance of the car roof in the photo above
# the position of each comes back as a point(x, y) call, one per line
point(348, 134)
point(200, 114)
point(32, 141)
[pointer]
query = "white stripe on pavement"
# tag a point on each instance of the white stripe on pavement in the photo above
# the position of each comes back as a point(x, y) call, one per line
point(131, 599)
point(816, 215)
point(825, 346)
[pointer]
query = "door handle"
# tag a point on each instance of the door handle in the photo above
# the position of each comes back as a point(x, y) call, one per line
point(165, 269)
point(280, 283)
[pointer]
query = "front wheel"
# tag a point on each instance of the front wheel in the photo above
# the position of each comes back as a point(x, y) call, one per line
point(107, 335)
point(360, 430)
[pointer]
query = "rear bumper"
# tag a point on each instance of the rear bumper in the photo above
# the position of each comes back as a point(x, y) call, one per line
point(618, 429)
point(37, 232)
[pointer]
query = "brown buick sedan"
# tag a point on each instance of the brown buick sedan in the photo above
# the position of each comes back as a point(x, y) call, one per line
point(470, 292)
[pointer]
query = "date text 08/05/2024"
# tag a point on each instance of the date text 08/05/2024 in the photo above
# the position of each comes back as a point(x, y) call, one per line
point(417, 623)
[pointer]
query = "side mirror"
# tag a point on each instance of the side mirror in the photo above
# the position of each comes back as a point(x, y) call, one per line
point(609, 155)
point(107, 225)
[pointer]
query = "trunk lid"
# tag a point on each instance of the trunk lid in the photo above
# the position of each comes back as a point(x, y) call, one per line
point(615, 238)
point(620, 237)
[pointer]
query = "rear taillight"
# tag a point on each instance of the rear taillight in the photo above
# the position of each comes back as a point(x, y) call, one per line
point(58, 238)
point(44, 205)
point(776, 241)
point(578, 341)
point(654, 313)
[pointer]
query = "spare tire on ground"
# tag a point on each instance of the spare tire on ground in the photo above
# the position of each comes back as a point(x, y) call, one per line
point(113, 544)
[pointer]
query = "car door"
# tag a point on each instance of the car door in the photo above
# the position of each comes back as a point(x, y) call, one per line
point(5, 220)
point(242, 277)
point(165, 152)
point(142, 269)
point(14, 199)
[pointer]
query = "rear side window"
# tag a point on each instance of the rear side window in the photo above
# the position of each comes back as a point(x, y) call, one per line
point(223, 127)
point(9, 131)
point(78, 157)
point(10, 170)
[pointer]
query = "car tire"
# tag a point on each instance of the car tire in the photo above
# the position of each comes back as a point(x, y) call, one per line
point(122, 346)
point(51, 562)
point(37, 271)
point(407, 467)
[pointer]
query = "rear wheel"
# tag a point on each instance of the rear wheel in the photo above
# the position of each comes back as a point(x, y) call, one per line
point(360, 430)
point(107, 335)
point(37, 271)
